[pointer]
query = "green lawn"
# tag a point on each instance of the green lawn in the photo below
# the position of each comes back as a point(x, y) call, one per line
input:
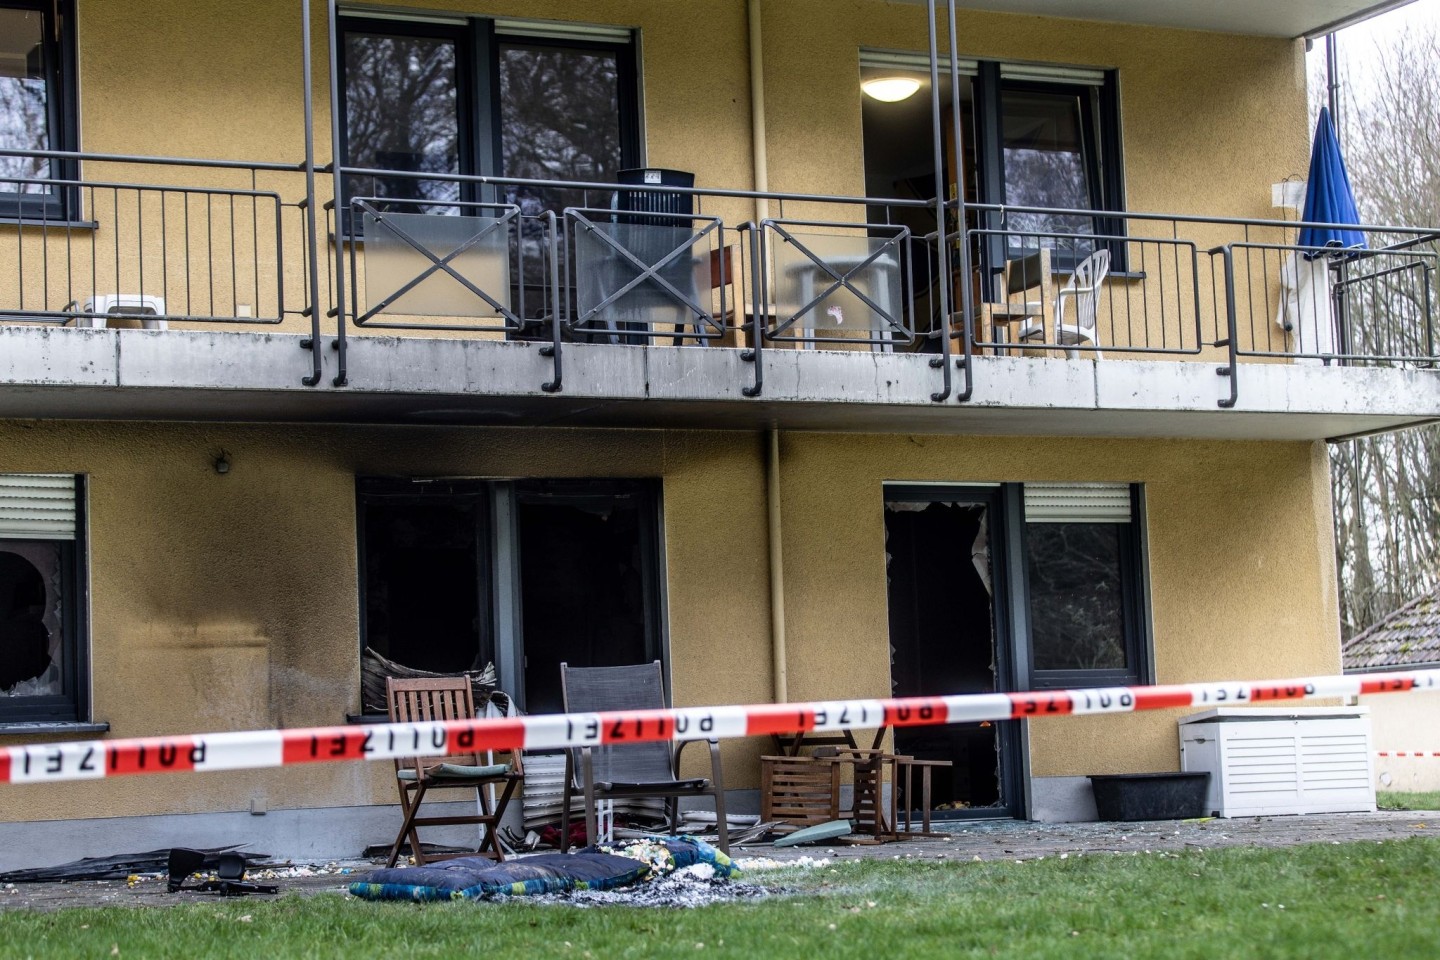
point(1401, 800)
point(1342, 901)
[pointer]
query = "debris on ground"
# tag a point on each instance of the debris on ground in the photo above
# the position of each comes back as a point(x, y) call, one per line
point(120, 866)
point(593, 868)
point(224, 874)
point(966, 842)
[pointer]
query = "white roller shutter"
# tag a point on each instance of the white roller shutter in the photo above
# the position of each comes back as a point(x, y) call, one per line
point(561, 29)
point(37, 506)
point(917, 62)
point(1077, 503)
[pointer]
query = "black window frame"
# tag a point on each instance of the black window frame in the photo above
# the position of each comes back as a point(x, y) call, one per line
point(478, 42)
point(61, 203)
point(1135, 599)
point(1102, 153)
point(72, 705)
point(468, 79)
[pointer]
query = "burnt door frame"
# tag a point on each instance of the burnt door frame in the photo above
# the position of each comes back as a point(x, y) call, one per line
point(508, 496)
point(1005, 517)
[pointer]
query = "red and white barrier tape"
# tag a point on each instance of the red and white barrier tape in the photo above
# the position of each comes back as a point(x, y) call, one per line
point(1408, 753)
point(92, 759)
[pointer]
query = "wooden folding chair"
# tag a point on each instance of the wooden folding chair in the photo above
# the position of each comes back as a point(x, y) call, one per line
point(439, 699)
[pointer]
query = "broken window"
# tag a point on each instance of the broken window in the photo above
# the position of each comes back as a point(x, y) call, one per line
point(945, 638)
point(459, 574)
point(588, 580)
point(41, 655)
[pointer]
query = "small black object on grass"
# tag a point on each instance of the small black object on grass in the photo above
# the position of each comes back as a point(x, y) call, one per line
point(229, 869)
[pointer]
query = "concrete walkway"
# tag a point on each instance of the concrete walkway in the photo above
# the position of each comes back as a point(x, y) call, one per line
point(964, 841)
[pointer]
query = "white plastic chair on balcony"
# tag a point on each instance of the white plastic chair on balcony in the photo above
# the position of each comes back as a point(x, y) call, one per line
point(1077, 306)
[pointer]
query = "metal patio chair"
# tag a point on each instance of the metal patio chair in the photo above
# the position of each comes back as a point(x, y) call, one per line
point(635, 770)
point(439, 699)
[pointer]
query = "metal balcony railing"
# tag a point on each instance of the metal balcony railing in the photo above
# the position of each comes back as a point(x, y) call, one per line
point(238, 244)
point(182, 253)
point(201, 242)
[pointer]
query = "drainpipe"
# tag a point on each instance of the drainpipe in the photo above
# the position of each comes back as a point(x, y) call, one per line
point(777, 567)
point(760, 160)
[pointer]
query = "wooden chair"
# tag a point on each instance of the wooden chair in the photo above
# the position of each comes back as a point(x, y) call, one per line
point(635, 770)
point(1028, 286)
point(439, 699)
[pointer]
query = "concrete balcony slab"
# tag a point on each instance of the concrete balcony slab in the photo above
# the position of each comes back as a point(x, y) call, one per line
point(63, 373)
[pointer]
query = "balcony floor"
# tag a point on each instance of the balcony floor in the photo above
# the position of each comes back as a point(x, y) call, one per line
point(82, 374)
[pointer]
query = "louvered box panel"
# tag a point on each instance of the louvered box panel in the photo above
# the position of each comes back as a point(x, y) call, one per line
point(543, 794)
point(1296, 760)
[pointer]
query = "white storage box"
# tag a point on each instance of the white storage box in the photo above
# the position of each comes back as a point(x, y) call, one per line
point(1265, 761)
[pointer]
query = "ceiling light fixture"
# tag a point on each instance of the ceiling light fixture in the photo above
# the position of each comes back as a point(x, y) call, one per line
point(890, 89)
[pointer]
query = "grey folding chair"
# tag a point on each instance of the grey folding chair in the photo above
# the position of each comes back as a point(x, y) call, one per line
point(629, 771)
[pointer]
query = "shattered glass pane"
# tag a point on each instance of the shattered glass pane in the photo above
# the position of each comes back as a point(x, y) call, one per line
point(31, 651)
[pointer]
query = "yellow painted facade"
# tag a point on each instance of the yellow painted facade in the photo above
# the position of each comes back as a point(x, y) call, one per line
point(230, 601)
point(1208, 122)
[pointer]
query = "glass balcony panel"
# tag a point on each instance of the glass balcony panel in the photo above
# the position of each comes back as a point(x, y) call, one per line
point(391, 263)
point(840, 312)
point(602, 271)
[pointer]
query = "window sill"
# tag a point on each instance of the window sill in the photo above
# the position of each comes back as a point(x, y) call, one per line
point(39, 222)
point(20, 728)
point(1135, 275)
point(364, 718)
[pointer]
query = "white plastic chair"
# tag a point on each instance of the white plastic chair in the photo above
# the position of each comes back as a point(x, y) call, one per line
point(1084, 289)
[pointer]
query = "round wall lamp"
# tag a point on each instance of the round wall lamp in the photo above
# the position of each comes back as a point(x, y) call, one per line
point(890, 89)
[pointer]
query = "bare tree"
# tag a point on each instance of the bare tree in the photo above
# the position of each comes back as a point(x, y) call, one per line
point(1387, 488)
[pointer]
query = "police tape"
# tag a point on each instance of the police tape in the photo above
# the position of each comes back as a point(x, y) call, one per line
point(249, 750)
point(1408, 753)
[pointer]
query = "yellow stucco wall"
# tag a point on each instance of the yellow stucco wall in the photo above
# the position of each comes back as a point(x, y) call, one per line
point(1209, 120)
point(1241, 566)
point(230, 602)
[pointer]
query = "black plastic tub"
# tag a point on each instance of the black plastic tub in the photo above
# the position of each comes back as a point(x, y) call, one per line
point(1150, 796)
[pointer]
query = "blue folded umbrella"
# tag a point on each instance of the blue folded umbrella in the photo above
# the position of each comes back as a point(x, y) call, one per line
point(1328, 197)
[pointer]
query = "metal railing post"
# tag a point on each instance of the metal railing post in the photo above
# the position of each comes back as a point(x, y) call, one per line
point(1231, 370)
point(757, 332)
point(552, 349)
point(942, 253)
point(311, 221)
point(967, 297)
point(342, 215)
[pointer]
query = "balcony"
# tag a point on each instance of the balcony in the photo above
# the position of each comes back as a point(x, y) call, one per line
point(194, 289)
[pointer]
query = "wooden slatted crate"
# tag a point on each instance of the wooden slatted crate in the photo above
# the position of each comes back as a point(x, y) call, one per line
point(799, 791)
